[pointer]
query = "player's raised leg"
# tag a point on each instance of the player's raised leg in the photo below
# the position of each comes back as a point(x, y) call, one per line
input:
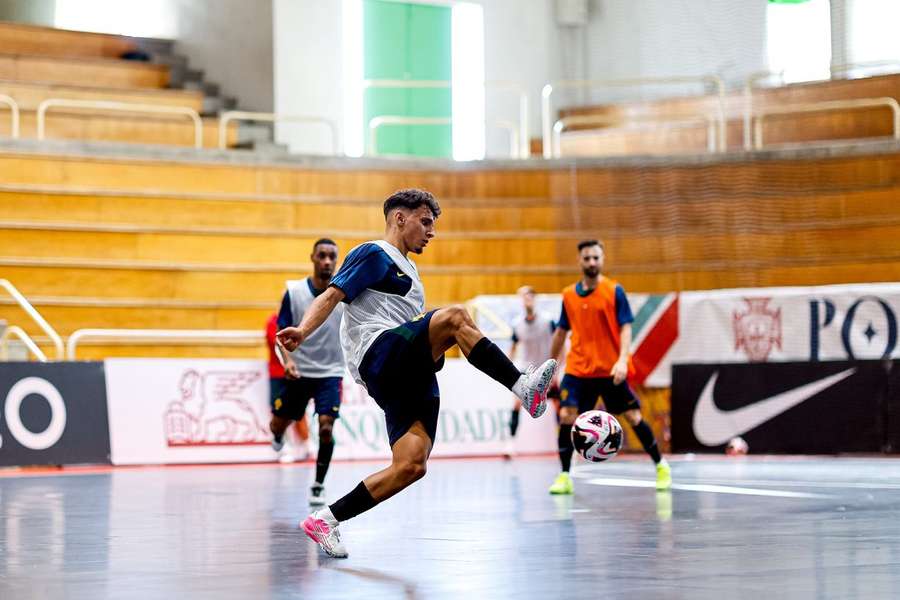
point(454, 326)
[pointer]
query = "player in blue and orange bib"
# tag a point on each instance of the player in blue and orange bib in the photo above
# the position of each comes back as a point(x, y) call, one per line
point(598, 364)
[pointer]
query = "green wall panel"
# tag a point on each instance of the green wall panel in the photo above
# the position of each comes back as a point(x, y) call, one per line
point(408, 41)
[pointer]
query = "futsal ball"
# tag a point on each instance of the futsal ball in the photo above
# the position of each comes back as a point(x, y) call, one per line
point(597, 435)
point(737, 447)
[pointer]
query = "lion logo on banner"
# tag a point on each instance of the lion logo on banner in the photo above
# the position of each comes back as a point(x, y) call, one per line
point(757, 330)
point(213, 410)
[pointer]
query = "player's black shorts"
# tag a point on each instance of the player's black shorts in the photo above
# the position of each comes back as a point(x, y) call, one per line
point(289, 397)
point(583, 392)
point(399, 374)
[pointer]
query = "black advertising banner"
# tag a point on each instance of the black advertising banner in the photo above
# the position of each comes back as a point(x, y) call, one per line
point(53, 414)
point(796, 407)
point(892, 410)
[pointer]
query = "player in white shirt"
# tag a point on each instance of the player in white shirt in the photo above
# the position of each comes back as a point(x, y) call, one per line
point(394, 348)
point(532, 334)
point(316, 369)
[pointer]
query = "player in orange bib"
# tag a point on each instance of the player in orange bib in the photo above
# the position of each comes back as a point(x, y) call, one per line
point(598, 364)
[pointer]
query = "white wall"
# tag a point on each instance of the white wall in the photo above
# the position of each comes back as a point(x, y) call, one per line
point(520, 46)
point(231, 40)
point(36, 12)
point(658, 38)
point(308, 70)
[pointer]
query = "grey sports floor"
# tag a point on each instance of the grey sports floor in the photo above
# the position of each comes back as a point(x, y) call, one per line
point(757, 527)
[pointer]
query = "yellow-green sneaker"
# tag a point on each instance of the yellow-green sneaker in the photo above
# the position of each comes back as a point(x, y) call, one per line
point(562, 485)
point(663, 476)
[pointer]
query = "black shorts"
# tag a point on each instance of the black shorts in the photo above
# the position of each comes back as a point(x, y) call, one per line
point(288, 397)
point(399, 374)
point(583, 392)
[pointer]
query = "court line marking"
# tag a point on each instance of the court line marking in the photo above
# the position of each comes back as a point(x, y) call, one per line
point(714, 489)
point(583, 473)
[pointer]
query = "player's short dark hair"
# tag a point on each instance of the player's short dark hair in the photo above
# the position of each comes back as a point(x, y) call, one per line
point(323, 241)
point(412, 199)
point(588, 243)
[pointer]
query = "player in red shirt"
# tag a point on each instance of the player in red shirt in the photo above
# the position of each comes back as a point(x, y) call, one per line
point(276, 389)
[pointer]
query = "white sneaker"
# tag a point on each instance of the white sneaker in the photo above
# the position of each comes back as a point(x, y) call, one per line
point(532, 388)
point(508, 449)
point(324, 532)
point(286, 458)
point(317, 495)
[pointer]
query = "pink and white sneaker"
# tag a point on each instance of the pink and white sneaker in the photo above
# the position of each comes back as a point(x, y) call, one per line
point(532, 387)
point(324, 531)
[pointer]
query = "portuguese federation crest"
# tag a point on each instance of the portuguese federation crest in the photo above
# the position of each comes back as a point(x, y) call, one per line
point(758, 330)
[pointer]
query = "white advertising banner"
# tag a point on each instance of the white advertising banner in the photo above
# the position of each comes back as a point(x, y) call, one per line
point(164, 411)
point(837, 322)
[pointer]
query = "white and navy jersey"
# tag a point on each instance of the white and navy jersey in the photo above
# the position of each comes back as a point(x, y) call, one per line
point(533, 339)
point(382, 290)
point(320, 355)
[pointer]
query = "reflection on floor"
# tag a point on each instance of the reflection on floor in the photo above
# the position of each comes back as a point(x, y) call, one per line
point(749, 527)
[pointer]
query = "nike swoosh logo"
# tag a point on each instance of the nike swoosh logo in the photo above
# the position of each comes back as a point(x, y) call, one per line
point(401, 274)
point(713, 426)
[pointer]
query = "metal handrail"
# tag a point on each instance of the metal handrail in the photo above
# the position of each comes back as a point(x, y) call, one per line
point(25, 305)
point(844, 68)
point(509, 126)
point(20, 333)
point(14, 114)
point(648, 123)
point(524, 149)
point(128, 336)
point(106, 105)
point(512, 86)
point(749, 85)
point(383, 120)
point(547, 93)
point(824, 107)
point(242, 115)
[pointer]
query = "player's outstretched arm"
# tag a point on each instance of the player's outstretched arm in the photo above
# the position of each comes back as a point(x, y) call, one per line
point(315, 315)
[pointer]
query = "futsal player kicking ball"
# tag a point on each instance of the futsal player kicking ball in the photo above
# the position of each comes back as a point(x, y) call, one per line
point(596, 311)
point(316, 369)
point(394, 349)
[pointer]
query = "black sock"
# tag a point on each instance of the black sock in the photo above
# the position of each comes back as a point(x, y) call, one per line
point(565, 446)
point(355, 503)
point(648, 441)
point(488, 358)
point(514, 422)
point(323, 459)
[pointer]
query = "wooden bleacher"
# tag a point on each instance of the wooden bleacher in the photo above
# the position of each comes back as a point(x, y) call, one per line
point(38, 63)
point(778, 129)
point(129, 242)
point(21, 38)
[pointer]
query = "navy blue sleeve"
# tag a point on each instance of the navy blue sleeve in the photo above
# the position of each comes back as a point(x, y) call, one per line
point(553, 326)
point(365, 266)
point(623, 309)
point(563, 318)
point(515, 338)
point(285, 315)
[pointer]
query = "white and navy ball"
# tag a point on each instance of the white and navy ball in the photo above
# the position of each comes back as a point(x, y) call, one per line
point(597, 435)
